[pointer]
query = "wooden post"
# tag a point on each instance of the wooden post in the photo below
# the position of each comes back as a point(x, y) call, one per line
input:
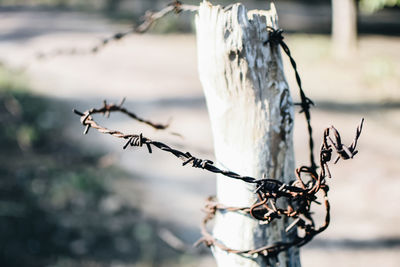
point(251, 114)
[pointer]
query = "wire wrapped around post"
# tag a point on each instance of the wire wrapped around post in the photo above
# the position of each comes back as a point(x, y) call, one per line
point(300, 194)
point(307, 183)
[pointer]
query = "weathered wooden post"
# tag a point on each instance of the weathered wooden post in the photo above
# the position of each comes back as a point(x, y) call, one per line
point(251, 114)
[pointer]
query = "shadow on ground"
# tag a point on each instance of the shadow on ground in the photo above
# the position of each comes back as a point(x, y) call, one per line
point(56, 207)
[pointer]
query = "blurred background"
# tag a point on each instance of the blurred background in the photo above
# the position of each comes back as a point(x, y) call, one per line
point(73, 200)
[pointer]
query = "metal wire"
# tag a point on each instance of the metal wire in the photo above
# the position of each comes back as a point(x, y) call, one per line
point(139, 140)
point(149, 19)
point(299, 194)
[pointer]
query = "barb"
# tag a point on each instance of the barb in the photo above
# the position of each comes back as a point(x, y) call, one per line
point(149, 19)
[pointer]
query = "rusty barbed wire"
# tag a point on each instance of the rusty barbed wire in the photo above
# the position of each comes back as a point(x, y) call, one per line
point(149, 19)
point(298, 194)
point(139, 140)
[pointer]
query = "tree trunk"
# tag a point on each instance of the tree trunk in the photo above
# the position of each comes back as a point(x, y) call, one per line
point(251, 115)
point(344, 27)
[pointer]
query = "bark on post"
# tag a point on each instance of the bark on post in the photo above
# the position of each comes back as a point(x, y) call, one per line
point(251, 114)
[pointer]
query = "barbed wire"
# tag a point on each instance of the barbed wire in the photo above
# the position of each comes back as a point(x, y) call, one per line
point(298, 194)
point(138, 140)
point(149, 19)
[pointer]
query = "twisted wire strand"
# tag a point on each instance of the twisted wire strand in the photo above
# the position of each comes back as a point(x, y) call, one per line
point(139, 140)
point(149, 19)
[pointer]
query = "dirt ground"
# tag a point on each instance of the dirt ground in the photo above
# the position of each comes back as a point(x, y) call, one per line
point(158, 75)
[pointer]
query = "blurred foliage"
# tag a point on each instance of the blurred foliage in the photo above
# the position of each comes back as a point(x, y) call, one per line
point(370, 6)
point(56, 204)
